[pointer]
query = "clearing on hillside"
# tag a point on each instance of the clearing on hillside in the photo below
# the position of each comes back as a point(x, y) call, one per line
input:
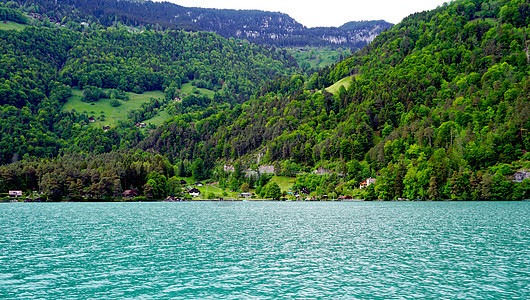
point(106, 115)
point(190, 89)
point(343, 82)
point(285, 183)
point(317, 57)
point(10, 25)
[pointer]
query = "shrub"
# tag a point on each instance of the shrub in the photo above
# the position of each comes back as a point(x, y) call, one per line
point(115, 103)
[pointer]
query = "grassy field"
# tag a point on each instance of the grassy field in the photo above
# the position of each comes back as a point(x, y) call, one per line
point(113, 114)
point(12, 26)
point(285, 183)
point(159, 119)
point(188, 88)
point(210, 189)
point(315, 57)
point(343, 82)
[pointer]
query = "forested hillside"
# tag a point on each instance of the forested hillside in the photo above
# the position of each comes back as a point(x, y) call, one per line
point(439, 109)
point(260, 27)
point(39, 67)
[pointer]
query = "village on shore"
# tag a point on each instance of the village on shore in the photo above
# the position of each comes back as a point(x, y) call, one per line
point(196, 191)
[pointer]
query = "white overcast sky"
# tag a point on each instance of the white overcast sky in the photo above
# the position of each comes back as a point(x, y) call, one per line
point(312, 13)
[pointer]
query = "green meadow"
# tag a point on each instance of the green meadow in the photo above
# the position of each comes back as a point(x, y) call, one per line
point(10, 25)
point(285, 183)
point(112, 115)
point(343, 82)
point(316, 57)
point(189, 89)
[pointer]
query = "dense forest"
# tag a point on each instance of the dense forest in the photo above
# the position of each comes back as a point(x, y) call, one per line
point(260, 27)
point(39, 66)
point(437, 108)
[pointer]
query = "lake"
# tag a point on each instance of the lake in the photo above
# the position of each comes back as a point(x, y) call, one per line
point(265, 250)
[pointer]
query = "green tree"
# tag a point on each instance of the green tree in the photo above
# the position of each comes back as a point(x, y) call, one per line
point(159, 185)
point(197, 169)
point(174, 187)
point(234, 184)
point(149, 190)
point(272, 190)
point(245, 187)
point(370, 193)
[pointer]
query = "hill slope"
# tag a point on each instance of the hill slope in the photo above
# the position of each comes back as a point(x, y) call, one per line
point(38, 67)
point(269, 28)
point(440, 110)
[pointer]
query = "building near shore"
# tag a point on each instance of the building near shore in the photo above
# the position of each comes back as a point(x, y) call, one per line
point(15, 194)
point(367, 183)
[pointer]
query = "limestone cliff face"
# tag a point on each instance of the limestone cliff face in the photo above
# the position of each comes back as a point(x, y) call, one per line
point(260, 27)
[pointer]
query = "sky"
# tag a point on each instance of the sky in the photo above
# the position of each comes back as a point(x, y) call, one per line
point(313, 13)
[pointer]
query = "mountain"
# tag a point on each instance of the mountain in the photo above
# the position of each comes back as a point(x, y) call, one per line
point(435, 108)
point(39, 68)
point(267, 28)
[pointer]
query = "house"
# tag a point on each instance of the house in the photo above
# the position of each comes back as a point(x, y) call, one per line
point(305, 191)
point(366, 183)
point(106, 128)
point(91, 119)
point(245, 195)
point(199, 183)
point(130, 194)
point(521, 175)
point(194, 192)
point(15, 194)
point(302, 191)
point(140, 125)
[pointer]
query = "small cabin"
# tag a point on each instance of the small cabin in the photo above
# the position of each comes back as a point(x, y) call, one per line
point(15, 194)
point(193, 192)
point(130, 194)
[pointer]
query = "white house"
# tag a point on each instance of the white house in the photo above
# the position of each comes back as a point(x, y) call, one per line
point(366, 183)
point(194, 192)
point(15, 194)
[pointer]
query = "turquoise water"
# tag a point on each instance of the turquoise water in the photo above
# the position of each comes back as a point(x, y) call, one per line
point(264, 250)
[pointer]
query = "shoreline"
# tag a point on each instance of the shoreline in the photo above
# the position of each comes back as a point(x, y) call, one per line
point(256, 200)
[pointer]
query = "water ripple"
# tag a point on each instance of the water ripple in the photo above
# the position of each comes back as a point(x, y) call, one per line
point(265, 250)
